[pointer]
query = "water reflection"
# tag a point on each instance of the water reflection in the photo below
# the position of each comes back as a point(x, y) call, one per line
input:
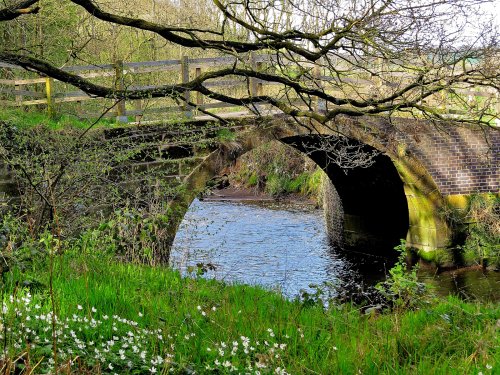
point(468, 284)
point(287, 249)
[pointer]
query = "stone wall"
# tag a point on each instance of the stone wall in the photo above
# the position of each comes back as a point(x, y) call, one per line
point(334, 214)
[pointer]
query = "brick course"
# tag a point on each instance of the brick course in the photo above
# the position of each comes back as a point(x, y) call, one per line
point(461, 159)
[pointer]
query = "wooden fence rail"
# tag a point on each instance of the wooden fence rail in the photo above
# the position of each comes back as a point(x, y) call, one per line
point(19, 92)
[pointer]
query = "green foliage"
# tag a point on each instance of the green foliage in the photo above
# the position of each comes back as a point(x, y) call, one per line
point(277, 184)
point(252, 180)
point(133, 235)
point(479, 226)
point(226, 135)
point(29, 119)
point(282, 169)
point(483, 232)
point(402, 288)
point(18, 248)
point(185, 325)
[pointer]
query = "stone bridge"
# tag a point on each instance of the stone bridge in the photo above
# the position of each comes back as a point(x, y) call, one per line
point(420, 170)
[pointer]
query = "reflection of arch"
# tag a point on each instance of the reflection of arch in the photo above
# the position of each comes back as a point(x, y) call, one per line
point(395, 196)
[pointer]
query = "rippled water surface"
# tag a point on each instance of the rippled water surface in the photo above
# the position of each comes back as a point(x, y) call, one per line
point(283, 248)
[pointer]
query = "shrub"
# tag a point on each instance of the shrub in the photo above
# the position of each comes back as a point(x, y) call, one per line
point(402, 289)
point(478, 229)
point(483, 231)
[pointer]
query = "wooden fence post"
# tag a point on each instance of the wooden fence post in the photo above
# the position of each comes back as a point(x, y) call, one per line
point(255, 84)
point(49, 82)
point(320, 104)
point(138, 107)
point(188, 110)
point(121, 114)
point(199, 96)
point(19, 98)
point(256, 87)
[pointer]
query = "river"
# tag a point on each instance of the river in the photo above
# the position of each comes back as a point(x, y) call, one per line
point(285, 248)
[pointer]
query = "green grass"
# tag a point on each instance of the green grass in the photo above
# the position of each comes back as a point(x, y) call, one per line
point(29, 119)
point(448, 337)
point(307, 183)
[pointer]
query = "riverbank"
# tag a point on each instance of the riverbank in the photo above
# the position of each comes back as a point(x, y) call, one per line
point(123, 318)
point(242, 194)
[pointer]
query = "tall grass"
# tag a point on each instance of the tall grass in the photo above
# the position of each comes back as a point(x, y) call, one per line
point(204, 326)
point(31, 118)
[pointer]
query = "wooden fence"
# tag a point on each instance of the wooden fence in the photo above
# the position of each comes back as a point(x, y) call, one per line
point(31, 90)
point(23, 92)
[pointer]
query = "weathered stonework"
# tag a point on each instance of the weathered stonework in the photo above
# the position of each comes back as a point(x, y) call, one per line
point(438, 166)
point(334, 214)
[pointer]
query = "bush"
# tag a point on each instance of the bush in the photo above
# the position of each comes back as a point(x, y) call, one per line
point(478, 228)
point(18, 248)
point(402, 289)
point(483, 232)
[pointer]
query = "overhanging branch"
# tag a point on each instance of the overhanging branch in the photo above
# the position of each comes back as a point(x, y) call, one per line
point(18, 9)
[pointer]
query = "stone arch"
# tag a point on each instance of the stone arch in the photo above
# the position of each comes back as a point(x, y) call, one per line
point(371, 197)
point(426, 230)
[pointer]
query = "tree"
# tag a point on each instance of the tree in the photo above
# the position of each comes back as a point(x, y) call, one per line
point(328, 58)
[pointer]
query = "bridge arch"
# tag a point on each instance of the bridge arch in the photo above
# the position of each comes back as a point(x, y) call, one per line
point(402, 200)
point(365, 203)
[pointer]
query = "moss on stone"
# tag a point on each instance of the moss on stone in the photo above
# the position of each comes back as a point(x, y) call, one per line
point(439, 257)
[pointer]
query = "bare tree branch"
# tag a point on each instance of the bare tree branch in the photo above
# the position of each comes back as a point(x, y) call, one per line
point(18, 9)
point(406, 51)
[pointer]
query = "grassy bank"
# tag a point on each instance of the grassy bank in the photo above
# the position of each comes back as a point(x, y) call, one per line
point(124, 318)
point(278, 170)
point(29, 119)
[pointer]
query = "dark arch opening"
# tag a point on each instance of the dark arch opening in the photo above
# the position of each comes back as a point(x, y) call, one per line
point(375, 208)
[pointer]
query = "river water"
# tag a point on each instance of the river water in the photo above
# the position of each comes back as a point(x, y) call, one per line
point(285, 248)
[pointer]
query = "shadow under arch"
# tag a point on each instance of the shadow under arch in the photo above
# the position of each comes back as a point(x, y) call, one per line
point(371, 197)
point(363, 193)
